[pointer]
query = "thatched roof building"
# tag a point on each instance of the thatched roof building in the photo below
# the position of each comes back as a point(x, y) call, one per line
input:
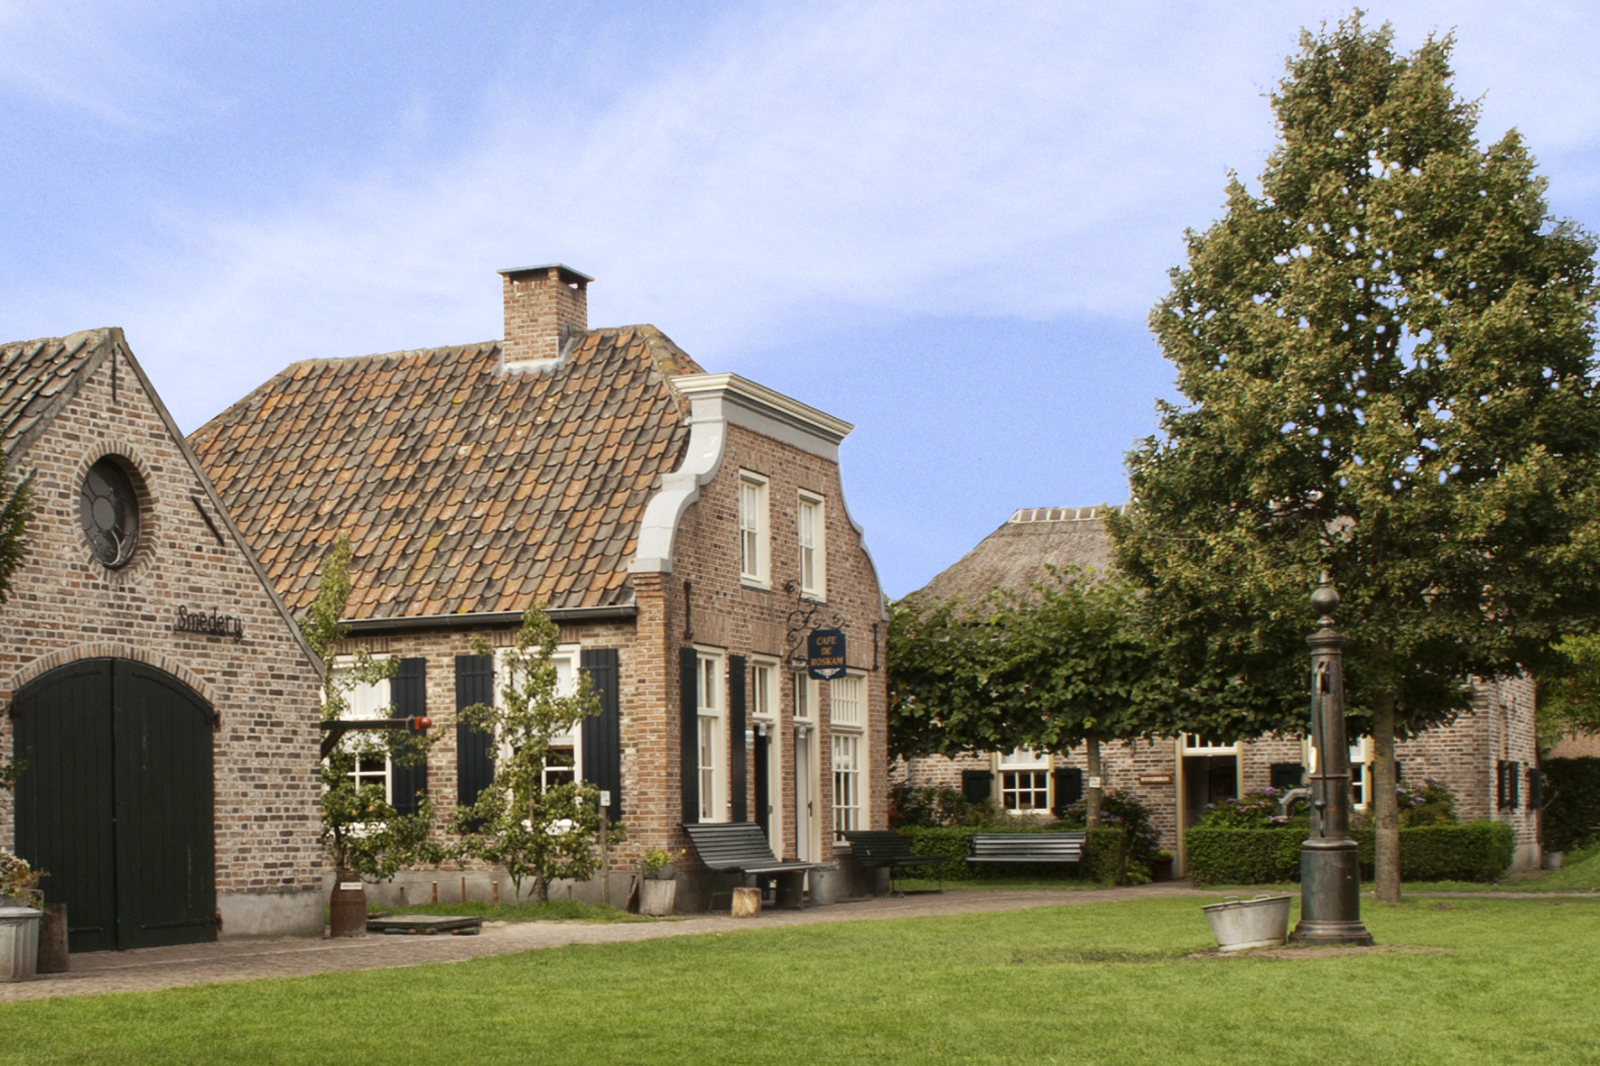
point(1015, 555)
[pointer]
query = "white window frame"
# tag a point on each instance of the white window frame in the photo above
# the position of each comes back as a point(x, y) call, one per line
point(712, 740)
point(566, 658)
point(848, 752)
point(1011, 767)
point(805, 697)
point(1361, 756)
point(755, 563)
point(811, 532)
point(366, 700)
point(1193, 744)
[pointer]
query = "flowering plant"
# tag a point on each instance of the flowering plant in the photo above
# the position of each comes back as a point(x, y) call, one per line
point(1257, 810)
point(20, 880)
point(658, 859)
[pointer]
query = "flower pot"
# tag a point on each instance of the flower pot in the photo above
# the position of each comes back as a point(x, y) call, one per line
point(1161, 869)
point(347, 907)
point(657, 897)
point(1262, 922)
point(19, 940)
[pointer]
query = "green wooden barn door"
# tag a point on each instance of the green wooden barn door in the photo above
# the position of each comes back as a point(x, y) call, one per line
point(166, 883)
point(116, 803)
point(64, 805)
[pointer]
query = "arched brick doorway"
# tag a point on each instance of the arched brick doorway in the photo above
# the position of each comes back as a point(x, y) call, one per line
point(115, 802)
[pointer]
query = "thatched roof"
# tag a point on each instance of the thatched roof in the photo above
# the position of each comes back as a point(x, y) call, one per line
point(1015, 555)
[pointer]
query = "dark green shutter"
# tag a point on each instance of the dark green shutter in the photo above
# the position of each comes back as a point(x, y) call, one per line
point(408, 693)
point(1535, 788)
point(474, 747)
point(602, 733)
point(977, 785)
point(1514, 783)
point(738, 779)
point(762, 769)
point(1068, 781)
point(1286, 775)
point(689, 727)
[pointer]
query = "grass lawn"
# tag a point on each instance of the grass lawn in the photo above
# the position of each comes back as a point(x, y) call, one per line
point(1098, 984)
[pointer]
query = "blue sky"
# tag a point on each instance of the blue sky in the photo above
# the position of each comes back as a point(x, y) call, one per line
point(945, 222)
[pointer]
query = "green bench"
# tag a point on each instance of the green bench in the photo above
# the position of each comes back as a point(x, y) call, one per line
point(1051, 848)
point(741, 848)
point(875, 848)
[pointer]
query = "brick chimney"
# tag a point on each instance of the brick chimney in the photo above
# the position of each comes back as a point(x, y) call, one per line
point(545, 307)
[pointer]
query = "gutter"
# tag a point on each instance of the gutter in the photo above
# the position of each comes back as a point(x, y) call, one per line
point(487, 619)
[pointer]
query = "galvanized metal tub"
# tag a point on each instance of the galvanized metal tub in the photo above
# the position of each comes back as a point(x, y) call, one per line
point(1262, 922)
point(19, 941)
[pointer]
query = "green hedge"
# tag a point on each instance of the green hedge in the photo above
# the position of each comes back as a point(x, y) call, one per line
point(1477, 851)
point(1572, 789)
point(1104, 855)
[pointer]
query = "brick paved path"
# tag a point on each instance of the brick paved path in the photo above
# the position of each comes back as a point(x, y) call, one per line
point(246, 960)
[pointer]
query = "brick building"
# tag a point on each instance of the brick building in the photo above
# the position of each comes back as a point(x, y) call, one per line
point(684, 529)
point(1484, 756)
point(161, 698)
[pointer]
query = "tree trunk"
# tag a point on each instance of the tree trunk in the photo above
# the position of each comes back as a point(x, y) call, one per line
point(1093, 795)
point(1383, 803)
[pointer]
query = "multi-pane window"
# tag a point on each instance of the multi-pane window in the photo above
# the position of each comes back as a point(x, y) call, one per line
point(560, 767)
point(847, 701)
point(712, 800)
point(813, 551)
point(366, 700)
point(752, 528)
point(1360, 772)
point(803, 700)
point(565, 756)
point(1024, 781)
point(846, 782)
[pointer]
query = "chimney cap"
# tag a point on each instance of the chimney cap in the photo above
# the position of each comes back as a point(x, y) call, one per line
point(568, 275)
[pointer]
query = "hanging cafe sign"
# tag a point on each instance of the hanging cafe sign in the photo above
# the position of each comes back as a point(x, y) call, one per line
point(211, 625)
point(825, 654)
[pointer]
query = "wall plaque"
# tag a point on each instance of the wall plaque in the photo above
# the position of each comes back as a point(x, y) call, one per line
point(209, 624)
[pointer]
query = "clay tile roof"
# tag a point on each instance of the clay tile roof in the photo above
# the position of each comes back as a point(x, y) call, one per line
point(1015, 555)
point(457, 483)
point(37, 376)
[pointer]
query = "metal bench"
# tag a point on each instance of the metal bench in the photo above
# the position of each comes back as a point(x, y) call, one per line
point(741, 848)
point(873, 848)
point(1028, 847)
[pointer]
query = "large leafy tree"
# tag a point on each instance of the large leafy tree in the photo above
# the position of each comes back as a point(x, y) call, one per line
point(1386, 363)
point(1049, 668)
point(1569, 698)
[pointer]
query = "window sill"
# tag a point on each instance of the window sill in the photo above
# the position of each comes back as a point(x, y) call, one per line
point(754, 583)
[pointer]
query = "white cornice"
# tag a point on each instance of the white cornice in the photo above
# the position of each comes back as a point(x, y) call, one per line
point(742, 402)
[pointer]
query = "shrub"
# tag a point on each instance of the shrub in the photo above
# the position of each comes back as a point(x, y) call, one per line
point(1477, 851)
point(1103, 860)
point(1258, 810)
point(1572, 788)
point(1119, 810)
point(929, 806)
point(1432, 804)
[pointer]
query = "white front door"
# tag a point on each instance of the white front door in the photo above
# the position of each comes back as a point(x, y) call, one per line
point(805, 797)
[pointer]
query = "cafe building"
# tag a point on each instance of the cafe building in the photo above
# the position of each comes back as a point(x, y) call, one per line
point(686, 530)
point(159, 697)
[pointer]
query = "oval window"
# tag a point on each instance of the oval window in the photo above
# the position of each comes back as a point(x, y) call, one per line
point(108, 507)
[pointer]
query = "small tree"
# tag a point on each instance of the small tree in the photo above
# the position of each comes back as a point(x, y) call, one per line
point(16, 512)
point(535, 829)
point(360, 829)
point(1569, 695)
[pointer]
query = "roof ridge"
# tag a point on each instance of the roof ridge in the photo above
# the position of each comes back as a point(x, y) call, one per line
point(1066, 514)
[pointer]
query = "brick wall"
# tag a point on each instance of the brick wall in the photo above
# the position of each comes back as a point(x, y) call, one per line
point(67, 606)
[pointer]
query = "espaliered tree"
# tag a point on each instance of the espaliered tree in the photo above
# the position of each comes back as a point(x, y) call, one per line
point(1059, 665)
point(361, 831)
point(17, 878)
point(536, 825)
point(1385, 358)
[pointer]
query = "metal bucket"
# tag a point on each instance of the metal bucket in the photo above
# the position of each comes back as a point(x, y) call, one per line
point(1554, 860)
point(1262, 922)
point(19, 942)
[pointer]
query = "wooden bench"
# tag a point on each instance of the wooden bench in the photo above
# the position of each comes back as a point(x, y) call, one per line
point(741, 848)
point(873, 848)
point(1028, 847)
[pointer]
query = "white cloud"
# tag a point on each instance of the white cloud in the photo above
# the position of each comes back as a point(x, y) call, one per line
point(899, 156)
